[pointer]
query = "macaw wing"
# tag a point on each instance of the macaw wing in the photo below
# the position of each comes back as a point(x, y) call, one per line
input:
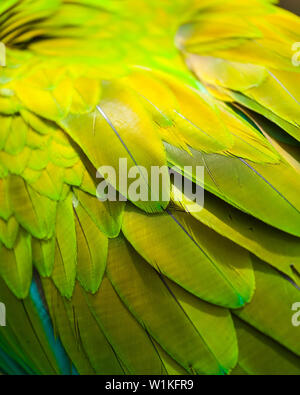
point(140, 287)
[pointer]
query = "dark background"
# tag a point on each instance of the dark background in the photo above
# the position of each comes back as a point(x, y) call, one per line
point(292, 5)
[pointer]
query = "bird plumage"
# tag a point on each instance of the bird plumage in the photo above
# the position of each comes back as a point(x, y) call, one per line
point(145, 287)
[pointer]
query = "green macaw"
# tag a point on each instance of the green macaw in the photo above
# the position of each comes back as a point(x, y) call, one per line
point(89, 286)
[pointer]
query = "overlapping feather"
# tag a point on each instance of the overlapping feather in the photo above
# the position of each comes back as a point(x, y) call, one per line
point(148, 287)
